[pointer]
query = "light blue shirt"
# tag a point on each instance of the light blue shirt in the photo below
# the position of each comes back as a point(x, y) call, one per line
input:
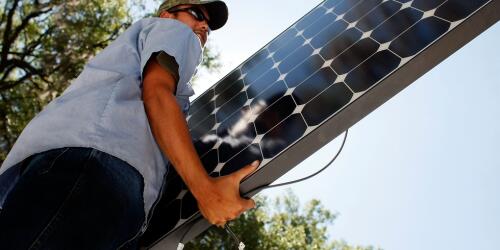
point(103, 107)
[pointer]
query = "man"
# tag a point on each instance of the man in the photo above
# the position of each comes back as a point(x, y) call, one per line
point(87, 170)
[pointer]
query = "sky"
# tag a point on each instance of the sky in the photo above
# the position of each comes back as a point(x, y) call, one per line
point(420, 172)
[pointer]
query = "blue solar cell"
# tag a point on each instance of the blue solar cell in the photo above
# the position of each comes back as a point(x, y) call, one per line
point(210, 160)
point(395, 25)
point(282, 39)
point(345, 6)
point(301, 72)
point(425, 5)
point(203, 127)
point(319, 25)
point(236, 103)
point(341, 43)
point(189, 206)
point(228, 93)
point(362, 9)
point(268, 97)
point(454, 10)
point(288, 48)
point(318, 82)
point(274, 114)
point(282, 136)
point(378, 15)
point(225, 83)
point(326, 104)
point(254, 61)
point(205, 143)
point(328, 34)
point(201, 114)
point(257, 71)
point(239, 138)
point(262, 83)
point(202, 101)
point(310, 18)
point(297, 57)
point(419, 36)
point(245, 157)
point(372, 70)
point(355, 55)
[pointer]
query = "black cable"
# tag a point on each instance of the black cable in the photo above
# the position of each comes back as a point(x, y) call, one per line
point(267, 186)
point(181, 245)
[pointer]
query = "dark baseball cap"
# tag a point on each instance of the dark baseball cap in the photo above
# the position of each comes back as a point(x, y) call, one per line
point(217, 10)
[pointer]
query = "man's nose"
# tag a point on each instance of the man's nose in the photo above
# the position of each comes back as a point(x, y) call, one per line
point(204, 27)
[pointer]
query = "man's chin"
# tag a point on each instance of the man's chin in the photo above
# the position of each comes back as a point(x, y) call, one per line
point(200, 37)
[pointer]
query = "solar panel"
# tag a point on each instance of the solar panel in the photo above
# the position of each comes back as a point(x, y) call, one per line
point(320, 76)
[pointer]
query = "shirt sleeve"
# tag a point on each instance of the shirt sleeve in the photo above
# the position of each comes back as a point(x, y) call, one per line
point(168, 63)
point(174, 40)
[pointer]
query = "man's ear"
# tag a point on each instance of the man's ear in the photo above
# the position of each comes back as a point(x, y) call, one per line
point(166, 14)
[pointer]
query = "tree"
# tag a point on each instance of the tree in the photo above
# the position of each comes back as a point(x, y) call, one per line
point(44, 46)
point(282, 226)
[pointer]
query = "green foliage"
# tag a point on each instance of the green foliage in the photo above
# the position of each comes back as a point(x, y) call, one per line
point(278, 225)
point(45, 45)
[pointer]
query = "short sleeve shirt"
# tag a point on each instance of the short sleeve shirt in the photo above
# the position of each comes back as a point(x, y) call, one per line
point(103, 107)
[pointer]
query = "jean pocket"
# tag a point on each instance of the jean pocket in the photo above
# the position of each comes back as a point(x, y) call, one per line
point(52, 162)
point(42, 163)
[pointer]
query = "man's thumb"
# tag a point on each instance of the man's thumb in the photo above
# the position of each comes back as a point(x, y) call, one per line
point(247, 170)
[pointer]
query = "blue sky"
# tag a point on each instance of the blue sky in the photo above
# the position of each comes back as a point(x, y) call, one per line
point(420, 172)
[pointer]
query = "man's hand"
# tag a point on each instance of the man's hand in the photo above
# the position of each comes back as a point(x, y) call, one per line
point(221, 201)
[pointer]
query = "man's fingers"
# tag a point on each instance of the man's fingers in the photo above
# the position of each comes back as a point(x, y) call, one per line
point(248, 204)
point(247, 170)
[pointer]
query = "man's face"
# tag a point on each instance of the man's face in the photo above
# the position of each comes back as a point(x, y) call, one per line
point(185, 15)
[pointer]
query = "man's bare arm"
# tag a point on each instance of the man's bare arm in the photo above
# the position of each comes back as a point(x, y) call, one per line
point(218, 198)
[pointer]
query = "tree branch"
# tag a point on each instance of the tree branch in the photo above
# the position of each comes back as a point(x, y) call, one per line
point(25, 22)
point(6, 72)
point(11, 84)
point(25, 66)
point(7, 31)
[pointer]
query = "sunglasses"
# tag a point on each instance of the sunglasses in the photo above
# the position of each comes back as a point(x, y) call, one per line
point(195, 12)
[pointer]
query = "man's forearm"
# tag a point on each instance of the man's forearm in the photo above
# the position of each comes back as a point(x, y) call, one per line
point(170, 130)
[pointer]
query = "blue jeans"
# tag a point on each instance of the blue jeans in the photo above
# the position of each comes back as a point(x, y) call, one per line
point(73, 198)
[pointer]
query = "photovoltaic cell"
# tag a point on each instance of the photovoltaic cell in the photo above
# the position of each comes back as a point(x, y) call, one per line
point(207, 97)
point(244, 158)
point(282, 136)
point(362, 9)
point(395, 25)
point(303, 70)
point(323, 106)
point(355, 55)
point(326, 35)
point(244, 137)
point(274, 114)
point(319, 25)
point(372, 70)
point(454, 10)
point(257, 86)
point(269, 96)
point(315, 69)
point(223, 85)
point(315, 84)
point(419, 36)
point(378, 15)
